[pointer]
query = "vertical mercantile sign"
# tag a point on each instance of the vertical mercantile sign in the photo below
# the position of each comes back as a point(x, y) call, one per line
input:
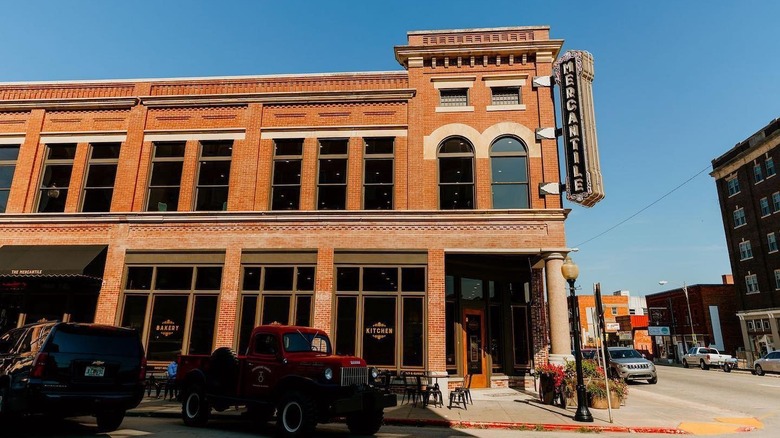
point(574, 74)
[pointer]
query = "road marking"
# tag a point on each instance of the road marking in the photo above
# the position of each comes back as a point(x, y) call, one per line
point(710, 428)
point(753, 422)
point(769, 386)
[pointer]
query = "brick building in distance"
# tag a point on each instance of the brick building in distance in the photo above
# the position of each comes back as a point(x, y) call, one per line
point(749, 195)
point(713, 310)
point(399, 211)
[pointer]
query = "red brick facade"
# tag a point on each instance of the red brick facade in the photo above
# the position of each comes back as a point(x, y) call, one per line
point(254, 112)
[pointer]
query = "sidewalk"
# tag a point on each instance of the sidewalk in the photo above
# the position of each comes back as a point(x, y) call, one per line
point(507, 408)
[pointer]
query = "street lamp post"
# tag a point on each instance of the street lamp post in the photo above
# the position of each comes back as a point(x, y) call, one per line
point(688, 303)
point(570, 272)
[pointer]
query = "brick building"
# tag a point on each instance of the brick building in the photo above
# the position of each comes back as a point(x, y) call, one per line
point(399, 211)
point(633, 333)
point(749, 195)
point(613, 306)
point(712, 309)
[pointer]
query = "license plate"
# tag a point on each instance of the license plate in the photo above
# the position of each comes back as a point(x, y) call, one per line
point(94, 371)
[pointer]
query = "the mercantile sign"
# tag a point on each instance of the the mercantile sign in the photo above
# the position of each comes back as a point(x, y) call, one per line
point(574, 74)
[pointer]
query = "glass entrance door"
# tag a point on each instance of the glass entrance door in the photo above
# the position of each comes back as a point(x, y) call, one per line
point(475, 357)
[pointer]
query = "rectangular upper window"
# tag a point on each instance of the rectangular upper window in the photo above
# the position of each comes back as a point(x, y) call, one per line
point(57, 169)
point(454, 97)
point(751, 281)
point(764, 203)
point(8, 156)
point(758, 175)
point(286, 180)
point(165, 179)
point(739, 217)
point(745, 250)
point(771, 241)
point(733, 186)
point(776, 201)
point(505, 96)
point(332, 179)
point(770, 167)
point(378, 174)
point(211, 193)
point(101, 175)
point(777, 279)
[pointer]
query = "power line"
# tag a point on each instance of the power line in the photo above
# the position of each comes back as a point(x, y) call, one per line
point(644, 208)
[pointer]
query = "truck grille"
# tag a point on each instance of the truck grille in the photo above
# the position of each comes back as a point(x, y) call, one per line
point(638, 366)
point(354, 376)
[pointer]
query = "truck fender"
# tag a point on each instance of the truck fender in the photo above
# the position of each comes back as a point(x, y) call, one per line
point(193, 377)
point(295, 383)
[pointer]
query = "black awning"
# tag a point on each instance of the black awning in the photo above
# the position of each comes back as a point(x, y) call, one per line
point(52, 260)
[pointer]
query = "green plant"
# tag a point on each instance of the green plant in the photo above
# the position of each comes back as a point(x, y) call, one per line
point(554, 371)
point(620, 387)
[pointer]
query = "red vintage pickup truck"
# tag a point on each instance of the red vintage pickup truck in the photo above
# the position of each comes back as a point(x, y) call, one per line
point(288, 370)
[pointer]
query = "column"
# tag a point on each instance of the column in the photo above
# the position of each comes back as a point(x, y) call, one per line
point(560, 338)
point(775, 332)
point(229, 298)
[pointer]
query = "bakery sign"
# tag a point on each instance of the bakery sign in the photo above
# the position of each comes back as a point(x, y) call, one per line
point(379, 331)
point(167, 328)
point(574, 74)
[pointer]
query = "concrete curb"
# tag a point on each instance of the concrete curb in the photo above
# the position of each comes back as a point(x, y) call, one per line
point(461, 424)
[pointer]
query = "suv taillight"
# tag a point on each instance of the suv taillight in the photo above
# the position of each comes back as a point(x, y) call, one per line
point(39, 365)
point(142, 373)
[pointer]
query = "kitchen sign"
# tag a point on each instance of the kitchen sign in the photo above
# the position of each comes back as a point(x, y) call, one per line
point(574, 74)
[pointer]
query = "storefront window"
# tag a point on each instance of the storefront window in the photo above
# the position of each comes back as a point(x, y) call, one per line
point(519, 325)
point(203, 320)
point(384, 306)
point(471, 289)
point(135, 311)
point(276, 310)
point(167, 327)
point(496, 340)
point(174, 278)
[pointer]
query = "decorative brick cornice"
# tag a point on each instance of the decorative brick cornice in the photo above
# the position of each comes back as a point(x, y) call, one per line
point(69, 104)
point(398, 95)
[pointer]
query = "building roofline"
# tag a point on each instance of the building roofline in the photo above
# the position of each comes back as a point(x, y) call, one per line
point(478, 29)
point(205, 78)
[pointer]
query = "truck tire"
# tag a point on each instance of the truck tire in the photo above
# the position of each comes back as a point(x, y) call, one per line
point(726, 367)
point(109, 421)
point(296, 416)
point(703, 365)
point(366, 423)
point(759, 370)
point(195, 408)
point(223, 370)
point(685, 363)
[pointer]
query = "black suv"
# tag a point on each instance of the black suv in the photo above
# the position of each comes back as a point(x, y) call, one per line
point(69, 369)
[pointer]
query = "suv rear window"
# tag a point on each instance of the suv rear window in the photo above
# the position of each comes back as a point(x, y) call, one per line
point(76, 339)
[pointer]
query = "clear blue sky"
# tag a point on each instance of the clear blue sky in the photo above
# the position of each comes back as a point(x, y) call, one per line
point(677, 84)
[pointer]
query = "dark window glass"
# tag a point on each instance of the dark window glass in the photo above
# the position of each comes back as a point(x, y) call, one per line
point(332, 178)
point(248, 310)
point(134, 313)
point(456, 170)
point(413, 279)
point(251, 279)
point(174, 278)
point(48, 307)
point(286, 187)
point(380, 279)
point(380, 145)
point(97, 200)
point(333, 171)
point(332, 198)
point(166, 174)
point(520, 332)
point(303, 311)
point(333, 147)
point(167, 330)
point(509, 167)
point(379, 336)
point(279, 279)
point(82, 308)
point(379, 171)
point(449, 286)
point(276, 310)
point(305, 279)
point(82, 339)
point(449, 321)
point(378, 180)
point(139, 277)
point(99, 187)
point(62, 151)
point(203, 317)
point(163, 199)
point(510, 196)
point(6, 176)
point(347, 279)
point(109, 151)
point(379, 197)
point(9, 152)
point(413, 346)
point(3, 200)
point(457, 197)
point(266, 344)
point(346, 322)
point(456, 174)
point(471, 289)
point(169, 150)
point(213, 176)
point(454, 97)
point(505, 96)
point(288, 147)
point(209, 278)
point(456, 145)
point(496, 338)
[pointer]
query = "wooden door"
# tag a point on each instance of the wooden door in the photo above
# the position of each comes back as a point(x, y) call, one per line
point(475, 358)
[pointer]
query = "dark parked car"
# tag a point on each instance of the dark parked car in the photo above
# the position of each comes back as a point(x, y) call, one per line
point(68, 369)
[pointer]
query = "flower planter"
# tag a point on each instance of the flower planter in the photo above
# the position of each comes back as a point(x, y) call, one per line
point(546, 389)
point(599, 402)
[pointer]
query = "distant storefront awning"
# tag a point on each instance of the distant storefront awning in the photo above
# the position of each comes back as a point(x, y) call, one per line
point(52, 261)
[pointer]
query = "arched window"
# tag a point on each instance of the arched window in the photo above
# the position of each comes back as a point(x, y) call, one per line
point(509, 164)
point(456, 174)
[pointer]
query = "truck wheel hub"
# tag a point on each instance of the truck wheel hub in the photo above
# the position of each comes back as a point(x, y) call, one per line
point(292, 416)
point(193, 405)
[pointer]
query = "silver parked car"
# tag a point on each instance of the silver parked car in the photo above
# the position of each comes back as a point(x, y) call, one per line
point(629, 364)
point(770, 363)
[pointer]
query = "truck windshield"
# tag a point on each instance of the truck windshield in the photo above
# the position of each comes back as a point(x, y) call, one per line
point(298, 342)
point(624, 354)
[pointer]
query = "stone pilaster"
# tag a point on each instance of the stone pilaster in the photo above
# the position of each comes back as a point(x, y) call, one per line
point(560, 339)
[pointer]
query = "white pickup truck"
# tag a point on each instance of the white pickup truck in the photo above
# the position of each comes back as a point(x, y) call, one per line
point(705, 357)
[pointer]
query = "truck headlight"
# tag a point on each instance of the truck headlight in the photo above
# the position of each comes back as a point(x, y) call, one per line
point(373, 372)
point(328, 374)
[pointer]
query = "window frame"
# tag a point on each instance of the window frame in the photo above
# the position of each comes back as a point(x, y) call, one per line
point(764, 207)
point(745, 250)
point(739, 217)
point(769, 162)
point(771, 240)
point(379, 157)
point(758, 175)
point(494, 156)
point(52, 190)
point(99, 162)
point(457, 97)
point(777, 279)
point(9, 163)
point(471, 155)
point(751, 283)
point(514, 91)
point(732, 186)
point(210, 159)
point(156, 160)
point(332, 156)
point(291, 158)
